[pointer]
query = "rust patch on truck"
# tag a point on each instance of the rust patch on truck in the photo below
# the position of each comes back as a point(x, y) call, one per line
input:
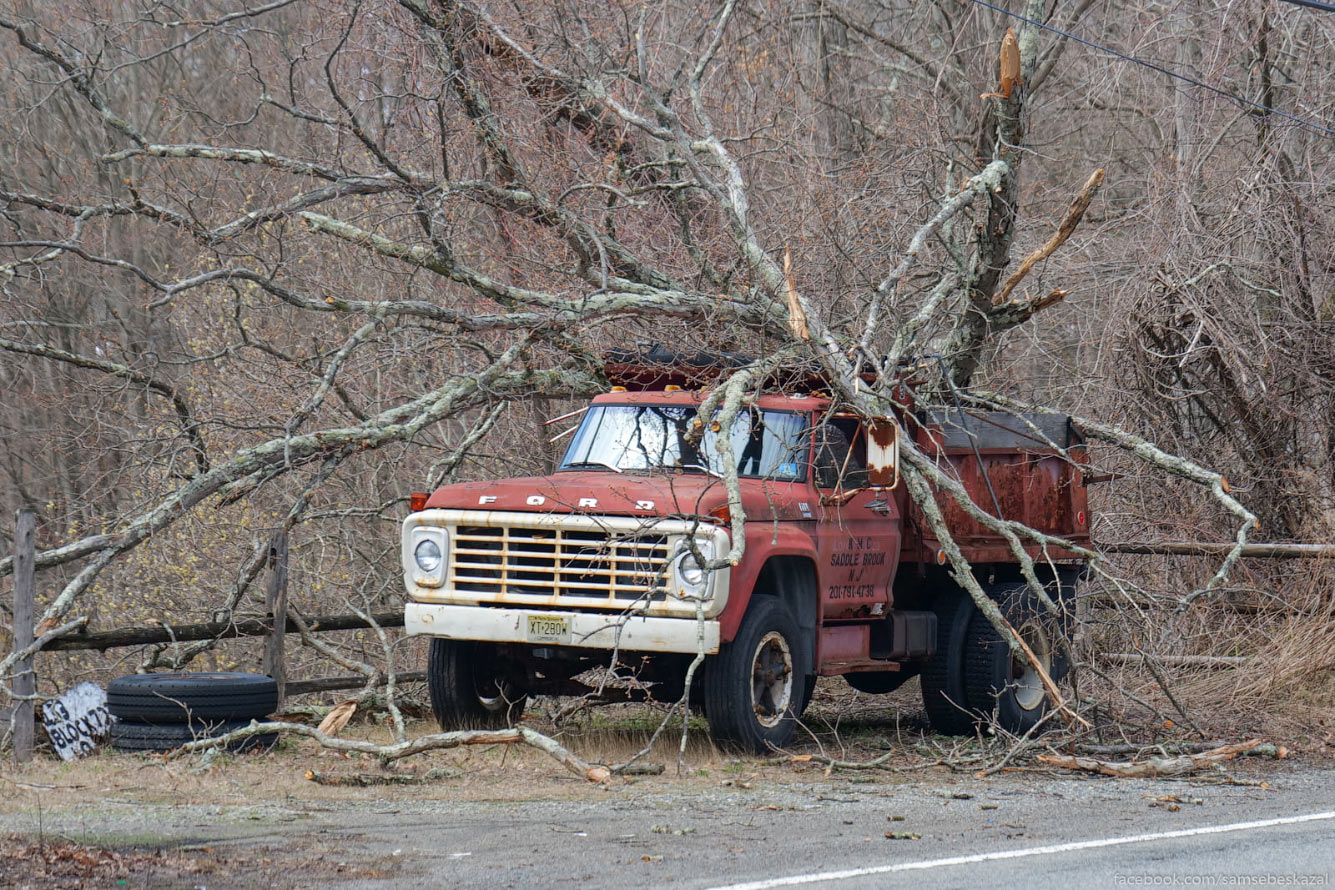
point(883, 454)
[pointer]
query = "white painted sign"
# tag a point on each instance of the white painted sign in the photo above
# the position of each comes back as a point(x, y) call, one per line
point(77, 720)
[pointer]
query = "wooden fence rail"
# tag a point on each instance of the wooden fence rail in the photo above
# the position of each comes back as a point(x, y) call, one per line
point(151, 634)
point(21, 717)
point(1192, 548)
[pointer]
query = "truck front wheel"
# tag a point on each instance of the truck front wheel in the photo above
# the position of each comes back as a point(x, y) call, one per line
point(754, 686)
point(470, 688)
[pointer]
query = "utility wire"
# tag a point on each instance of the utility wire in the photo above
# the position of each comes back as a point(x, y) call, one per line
point(1313, 125)
point(1324, 7)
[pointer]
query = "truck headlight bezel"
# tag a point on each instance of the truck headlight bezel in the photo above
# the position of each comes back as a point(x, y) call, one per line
point(421, 541)
point(693, 580)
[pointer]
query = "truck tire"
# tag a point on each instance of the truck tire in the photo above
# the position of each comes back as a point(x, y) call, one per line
point(880, 682)
point(198, 696)
point(943, 692)
point(127, 735)
point(808, 688)
point(754, 687)
point(996, 683)
point(469, 688)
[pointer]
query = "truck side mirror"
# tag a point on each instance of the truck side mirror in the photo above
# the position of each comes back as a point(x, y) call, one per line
point(882, 453)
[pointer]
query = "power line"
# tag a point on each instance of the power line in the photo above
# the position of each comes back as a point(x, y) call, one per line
point(1324, 7)
point(1320, 128)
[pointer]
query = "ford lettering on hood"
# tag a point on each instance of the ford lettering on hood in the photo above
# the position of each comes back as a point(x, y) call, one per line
point(640, 494)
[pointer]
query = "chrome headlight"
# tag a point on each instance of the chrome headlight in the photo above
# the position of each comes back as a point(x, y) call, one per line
point(692, 577)
point(427, 555)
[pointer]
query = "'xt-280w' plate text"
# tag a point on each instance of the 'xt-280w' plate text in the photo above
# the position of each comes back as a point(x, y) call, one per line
point(548, 629)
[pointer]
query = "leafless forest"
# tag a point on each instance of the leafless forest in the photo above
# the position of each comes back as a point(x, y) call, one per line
point(272, 265)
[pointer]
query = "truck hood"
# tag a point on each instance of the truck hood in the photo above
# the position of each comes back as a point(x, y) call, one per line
point(627, 494)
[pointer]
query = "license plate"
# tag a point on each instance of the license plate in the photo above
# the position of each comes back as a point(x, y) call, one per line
point(548, 629)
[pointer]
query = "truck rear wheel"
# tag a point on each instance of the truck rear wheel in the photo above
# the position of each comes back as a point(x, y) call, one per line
point(943, 694)
point(997, 681)
point(470, 688)
point(755, 685)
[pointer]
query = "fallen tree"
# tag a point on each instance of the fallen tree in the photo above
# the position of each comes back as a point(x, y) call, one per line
point(348, 284)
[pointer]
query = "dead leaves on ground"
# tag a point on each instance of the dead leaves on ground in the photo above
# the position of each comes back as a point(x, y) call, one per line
point(75, 864)
point(1173, 803)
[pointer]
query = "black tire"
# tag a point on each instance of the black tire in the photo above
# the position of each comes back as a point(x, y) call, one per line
point(943, 692)
point(128, 735)
point(470, 688)
point(808, 690)
point(880, 682)
point(181, 697)
point(1001, 686)
point(755, 686)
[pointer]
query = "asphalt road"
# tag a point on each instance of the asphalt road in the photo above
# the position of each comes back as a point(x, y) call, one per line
point(1008, 832)
point(1025, 831)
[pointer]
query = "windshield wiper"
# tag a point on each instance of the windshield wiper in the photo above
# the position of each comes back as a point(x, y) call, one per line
point(590, 463)
point(699, 467)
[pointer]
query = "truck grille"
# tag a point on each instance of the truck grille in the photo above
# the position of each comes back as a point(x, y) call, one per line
point(577, 565)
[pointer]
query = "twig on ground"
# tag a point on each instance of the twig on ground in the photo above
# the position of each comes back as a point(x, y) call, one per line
point(368, 780)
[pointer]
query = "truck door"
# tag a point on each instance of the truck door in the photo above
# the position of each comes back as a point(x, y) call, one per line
point(858, 532)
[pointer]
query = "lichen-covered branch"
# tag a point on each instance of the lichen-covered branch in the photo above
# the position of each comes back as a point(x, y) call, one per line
point(189, 425)
point(399, 424)
point(388, 754)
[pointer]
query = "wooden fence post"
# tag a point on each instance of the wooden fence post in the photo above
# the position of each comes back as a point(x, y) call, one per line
point(25, 605)
point(275, 602)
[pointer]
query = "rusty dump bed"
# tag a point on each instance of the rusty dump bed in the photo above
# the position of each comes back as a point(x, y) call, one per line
point(1030, 481)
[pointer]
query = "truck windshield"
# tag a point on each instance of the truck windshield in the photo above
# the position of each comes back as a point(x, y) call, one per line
point(767, 444)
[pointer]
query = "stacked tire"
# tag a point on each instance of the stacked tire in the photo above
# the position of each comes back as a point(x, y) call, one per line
point(162, 712)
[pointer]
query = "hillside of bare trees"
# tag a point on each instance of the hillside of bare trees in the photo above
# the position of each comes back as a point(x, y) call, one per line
point(275, 265)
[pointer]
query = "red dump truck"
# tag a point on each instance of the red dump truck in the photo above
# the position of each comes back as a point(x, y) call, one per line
point(525, 584)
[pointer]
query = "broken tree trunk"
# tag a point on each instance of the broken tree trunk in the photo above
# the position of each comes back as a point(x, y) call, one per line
point(1154, 766)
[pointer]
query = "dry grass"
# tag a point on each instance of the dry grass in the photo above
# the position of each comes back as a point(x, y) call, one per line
point(1279, 616)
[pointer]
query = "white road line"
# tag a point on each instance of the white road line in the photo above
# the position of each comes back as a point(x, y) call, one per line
point(923, 865)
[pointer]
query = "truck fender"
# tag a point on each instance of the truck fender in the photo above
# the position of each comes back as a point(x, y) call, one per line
point(785, 564)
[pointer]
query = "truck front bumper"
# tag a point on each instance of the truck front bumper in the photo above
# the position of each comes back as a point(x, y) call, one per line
point(588, 630)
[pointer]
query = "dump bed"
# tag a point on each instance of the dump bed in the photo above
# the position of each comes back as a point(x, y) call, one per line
point(1023, 467)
